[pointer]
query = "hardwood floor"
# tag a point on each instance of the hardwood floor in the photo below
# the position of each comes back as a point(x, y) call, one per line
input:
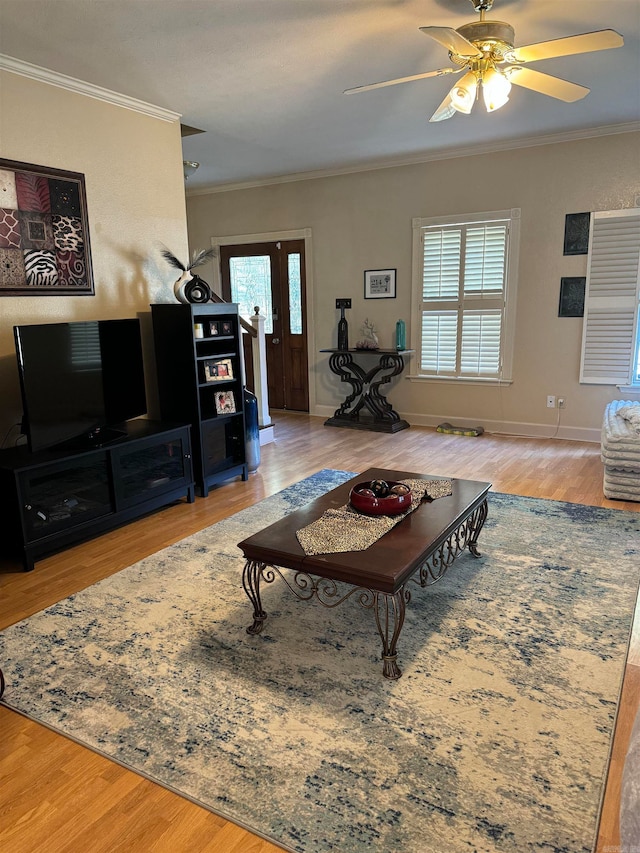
point(59, 797)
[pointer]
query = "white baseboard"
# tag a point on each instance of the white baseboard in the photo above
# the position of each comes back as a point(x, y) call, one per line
point(266, 434)
point(515, 428)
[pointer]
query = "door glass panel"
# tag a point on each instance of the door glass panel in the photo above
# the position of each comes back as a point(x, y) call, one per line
point(66, 494)
point(295, 301)
point(152, 467)
point(250, 279)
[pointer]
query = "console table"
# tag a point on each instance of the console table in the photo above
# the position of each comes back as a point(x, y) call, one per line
point(366, 407)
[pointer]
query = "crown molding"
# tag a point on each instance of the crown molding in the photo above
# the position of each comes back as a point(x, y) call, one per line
point(71, 84)
point(425, 157)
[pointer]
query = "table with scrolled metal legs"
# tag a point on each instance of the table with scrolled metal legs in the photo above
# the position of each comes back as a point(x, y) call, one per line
point(376, 578)
point(366, 407)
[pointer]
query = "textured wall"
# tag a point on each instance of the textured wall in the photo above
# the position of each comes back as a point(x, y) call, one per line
point(363, 221)
point(132, 165)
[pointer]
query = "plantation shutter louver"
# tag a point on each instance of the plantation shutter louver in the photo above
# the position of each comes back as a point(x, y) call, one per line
point(463, 298)
point(611, 298)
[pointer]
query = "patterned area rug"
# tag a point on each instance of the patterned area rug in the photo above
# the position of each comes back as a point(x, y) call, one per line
point(496, 738)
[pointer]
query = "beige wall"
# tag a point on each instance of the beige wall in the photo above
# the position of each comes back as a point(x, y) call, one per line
point(363, 221)
point(132, 165)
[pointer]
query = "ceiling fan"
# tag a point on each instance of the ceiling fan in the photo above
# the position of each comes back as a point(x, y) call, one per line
point(485, 49)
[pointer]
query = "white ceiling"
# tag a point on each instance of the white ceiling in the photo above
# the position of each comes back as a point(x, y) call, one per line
point(264, 78)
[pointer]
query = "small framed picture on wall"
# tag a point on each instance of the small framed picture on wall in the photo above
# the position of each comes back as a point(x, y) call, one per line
point(576, 233)
point(572, 296)
point(379, 284)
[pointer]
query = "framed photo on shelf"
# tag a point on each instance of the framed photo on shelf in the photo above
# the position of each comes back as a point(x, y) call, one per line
point(227, 327)
point(214, 327)
point(225, 402)
point(379, 284)
point(218, 369)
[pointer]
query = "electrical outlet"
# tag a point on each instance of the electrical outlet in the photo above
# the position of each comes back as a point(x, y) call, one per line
point(551, 401)
point(343, 303)
point(561, 402)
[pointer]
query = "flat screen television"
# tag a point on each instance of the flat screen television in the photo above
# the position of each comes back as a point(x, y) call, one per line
point(80, 381)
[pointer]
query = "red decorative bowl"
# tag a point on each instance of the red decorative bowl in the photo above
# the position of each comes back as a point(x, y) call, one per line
point(392, 504)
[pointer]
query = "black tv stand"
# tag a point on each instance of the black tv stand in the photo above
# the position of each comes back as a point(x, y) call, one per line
point(99, 437)
point(54, 498)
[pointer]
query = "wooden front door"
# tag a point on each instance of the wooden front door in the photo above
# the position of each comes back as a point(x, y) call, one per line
point(272, 276)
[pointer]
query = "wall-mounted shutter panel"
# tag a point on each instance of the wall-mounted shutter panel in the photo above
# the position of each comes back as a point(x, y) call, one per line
point(611, 299)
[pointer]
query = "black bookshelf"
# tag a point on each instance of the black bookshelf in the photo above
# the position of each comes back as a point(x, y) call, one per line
point(198, 352)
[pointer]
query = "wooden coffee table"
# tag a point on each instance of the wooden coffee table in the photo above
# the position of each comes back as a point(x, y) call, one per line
point(420, 548)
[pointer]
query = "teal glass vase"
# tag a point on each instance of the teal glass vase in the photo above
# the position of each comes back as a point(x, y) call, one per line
point(401, 335)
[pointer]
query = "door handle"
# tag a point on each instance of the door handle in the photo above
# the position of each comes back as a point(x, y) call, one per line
point(275, 341)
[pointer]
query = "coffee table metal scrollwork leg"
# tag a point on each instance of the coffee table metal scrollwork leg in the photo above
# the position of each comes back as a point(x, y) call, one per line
point(389, 611)
point(476, 523)
point(251, 575)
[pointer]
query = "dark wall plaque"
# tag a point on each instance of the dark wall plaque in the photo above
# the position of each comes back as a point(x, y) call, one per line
point(572, 296)
point(576, 233)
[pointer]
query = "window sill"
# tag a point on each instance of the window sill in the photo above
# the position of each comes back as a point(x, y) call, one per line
point(453, 380)
point(629, 389)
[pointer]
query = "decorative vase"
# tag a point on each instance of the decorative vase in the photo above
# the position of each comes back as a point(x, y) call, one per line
point(179, 286)
point(401, 335)
point(252, 431)
point(343, 332)
point(190, 288)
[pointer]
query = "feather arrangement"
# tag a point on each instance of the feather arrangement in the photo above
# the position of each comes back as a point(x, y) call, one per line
point(199, 257)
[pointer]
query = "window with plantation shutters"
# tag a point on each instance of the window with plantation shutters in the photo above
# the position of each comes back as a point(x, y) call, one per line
point(464, 293)
point(611, 326)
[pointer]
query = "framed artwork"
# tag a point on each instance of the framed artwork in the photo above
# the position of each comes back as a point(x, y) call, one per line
point(214, 327)
point(572, 296)
point(576, 233)
point(379, 284)
point(225, 402)
point(218, 369)
point(44, 232)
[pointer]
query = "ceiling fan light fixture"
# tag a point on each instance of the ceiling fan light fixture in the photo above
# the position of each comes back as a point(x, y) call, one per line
point(463, 94)
point(481, 48)
point(495, 89)
point(444, 111)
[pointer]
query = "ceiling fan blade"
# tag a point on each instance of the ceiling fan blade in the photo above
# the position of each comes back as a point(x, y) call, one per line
point(584, 43)
point(445, 110)
point(439, 73)
point(452, 40)
point(555, 87)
